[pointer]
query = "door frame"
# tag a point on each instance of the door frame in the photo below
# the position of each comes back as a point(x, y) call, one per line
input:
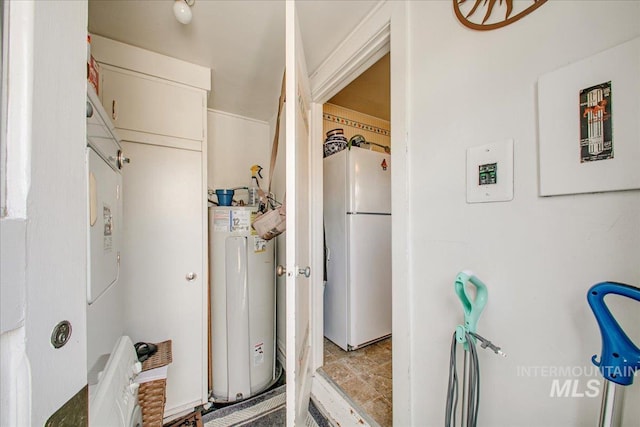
point(383, 30)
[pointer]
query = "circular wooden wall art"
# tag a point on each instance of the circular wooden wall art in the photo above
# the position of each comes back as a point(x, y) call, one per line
point(476, 14)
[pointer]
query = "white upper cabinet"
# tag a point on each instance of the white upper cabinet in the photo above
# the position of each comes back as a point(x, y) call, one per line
point(137, 102)
point(152, 98)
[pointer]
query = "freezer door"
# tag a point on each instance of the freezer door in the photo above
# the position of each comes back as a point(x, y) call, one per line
point(369, 278)
point(369, 175)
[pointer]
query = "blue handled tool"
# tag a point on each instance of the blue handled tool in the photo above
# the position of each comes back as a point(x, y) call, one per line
point(619, 358)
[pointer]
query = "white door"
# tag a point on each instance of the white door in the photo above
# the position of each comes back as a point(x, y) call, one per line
point(162, 263)
point(298, 224)
point(43, 217)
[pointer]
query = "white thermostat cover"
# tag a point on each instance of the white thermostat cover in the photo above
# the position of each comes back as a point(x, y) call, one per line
point(490, 172)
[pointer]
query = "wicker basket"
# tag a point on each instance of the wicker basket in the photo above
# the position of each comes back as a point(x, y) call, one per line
point(151, 395)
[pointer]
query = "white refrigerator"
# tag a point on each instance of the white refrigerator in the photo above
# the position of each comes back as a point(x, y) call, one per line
point(357, 221)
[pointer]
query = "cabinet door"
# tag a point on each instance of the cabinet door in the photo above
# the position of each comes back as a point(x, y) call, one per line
point(163, 248)
point(137, 102)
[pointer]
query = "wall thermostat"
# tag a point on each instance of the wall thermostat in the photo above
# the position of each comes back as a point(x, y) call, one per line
point(490, 172)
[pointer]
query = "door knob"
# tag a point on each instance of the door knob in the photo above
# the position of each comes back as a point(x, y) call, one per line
point(306, 272)
point(280, 270)
point(191, 276)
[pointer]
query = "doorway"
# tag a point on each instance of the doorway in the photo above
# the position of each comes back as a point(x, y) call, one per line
point(364, 372)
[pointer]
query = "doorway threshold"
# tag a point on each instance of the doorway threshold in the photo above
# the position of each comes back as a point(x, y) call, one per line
point(339, 408)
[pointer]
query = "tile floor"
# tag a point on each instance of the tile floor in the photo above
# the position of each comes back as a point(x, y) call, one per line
point(364, 375)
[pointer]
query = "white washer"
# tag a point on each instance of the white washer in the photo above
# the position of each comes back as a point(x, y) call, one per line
point(113, 401)
point(136, 417)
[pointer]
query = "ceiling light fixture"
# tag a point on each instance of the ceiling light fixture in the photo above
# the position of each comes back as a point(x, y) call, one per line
point(182, 10)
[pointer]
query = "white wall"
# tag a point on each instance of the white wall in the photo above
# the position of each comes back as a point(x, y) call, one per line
point(538, 256)
point(235, 144)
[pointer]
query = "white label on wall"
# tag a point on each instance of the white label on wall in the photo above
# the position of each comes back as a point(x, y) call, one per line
point(258, 354)
point(240, 220)
point(221, 220)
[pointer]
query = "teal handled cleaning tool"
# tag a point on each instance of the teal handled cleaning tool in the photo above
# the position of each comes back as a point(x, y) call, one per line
point(620, 358)
point(472, 308)
point(466, 335)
